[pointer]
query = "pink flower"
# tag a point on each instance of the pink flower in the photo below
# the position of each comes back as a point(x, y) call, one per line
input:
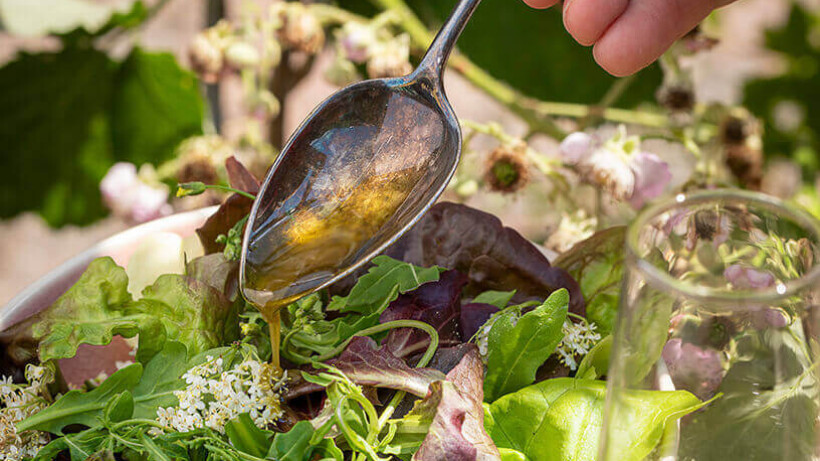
point(652, 175)
point(356, 42)
point(129, 197)
point(693, 368)
point(747, 278)
point(577, 147)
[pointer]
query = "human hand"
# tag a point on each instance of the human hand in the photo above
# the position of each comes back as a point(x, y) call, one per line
point(628, 35)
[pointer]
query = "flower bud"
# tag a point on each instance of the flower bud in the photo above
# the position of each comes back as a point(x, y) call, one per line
point(300, 30)
point(356, 41)
point(242, 55)
point(191, 188)
point(390, 59)
point(577, 147)
point(342, 72)
point(507, 169)
point(207, 51)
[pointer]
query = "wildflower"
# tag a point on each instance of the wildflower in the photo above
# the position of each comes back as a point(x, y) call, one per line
point(132, 197)
point(213, 396)
point(18, 402)
point(571, 230)
point(507, 169)
point(619, 165)
point(579, 338)
point(390, 58)
point(242, 55)
point(207, 51)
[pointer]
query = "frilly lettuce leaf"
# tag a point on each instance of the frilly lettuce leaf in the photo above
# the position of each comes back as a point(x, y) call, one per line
point(518, 343)
point(560, 420)
point(98, 307)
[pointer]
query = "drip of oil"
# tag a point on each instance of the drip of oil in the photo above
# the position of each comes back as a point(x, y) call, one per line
point(309, 246)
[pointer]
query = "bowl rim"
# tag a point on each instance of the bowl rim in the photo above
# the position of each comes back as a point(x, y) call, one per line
point(46, 289)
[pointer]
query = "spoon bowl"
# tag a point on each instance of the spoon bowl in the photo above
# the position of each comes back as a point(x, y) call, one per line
point(358, 173)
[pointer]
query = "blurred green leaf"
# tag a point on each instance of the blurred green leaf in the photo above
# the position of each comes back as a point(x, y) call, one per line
point(66, 117)
point(530, 50)
point(792, 121)
point(43, 17)
point(54, 130)
point(156, 104)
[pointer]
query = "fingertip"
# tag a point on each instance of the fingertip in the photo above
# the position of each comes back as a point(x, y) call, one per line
point(541, 4)
point(587, 20)
point(614, 63)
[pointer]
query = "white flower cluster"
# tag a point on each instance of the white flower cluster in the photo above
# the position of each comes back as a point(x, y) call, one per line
point(572, 229)
point(214, 396)
point(18, 402)
point(579, 338)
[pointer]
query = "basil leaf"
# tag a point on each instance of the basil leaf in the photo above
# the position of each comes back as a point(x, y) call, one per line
point(382, 284)
point(518, 344)
point(560, 420)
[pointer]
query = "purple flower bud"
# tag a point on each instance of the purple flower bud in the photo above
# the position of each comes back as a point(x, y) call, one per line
point(130, 198)
point(356, 42)
point(577, 147)
point(747, 278)
point(651, 178)
point(693, 368)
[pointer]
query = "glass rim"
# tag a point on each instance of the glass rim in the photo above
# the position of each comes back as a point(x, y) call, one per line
point(662, 280)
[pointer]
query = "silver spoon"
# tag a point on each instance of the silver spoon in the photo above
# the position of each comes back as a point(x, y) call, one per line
point(357, 174)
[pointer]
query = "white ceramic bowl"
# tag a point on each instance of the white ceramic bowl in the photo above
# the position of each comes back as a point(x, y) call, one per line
point(90, 360)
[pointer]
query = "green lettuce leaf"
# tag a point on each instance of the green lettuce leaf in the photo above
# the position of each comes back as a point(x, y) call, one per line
point(499, 299)
point(382, 284)
point(98, 306)
point(517, 344)
point(597, 264)
point(297, 445)
point(246, 437)
point(560, 420)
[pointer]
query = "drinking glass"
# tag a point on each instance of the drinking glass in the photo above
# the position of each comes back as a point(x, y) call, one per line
point(720, 302)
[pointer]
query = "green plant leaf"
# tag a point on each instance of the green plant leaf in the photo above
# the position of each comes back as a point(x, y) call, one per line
point(597, 263)
point(54, 130)
point(560, 419)
point(796, 86)
point(293, 445)
point(518, 344)
point(120, 408)
point(246, 437)
point(159, 380)
point(596, 363)
point(499, 299)
point(382, 284)
point(81, 446)
point(90, 312)
point(155, 105)
point(77, 407)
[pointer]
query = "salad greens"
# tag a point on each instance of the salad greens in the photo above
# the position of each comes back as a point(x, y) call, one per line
point(431, 352)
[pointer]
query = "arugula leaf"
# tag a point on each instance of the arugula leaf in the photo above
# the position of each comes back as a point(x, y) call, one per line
point(499, 299)
point(517, 344)
point(159, 380)
point(296, 445)
point(382, 284)
point(597, 263)
point(560, 419)
point(81, 446)
point(77, 407)
point(246, 437)
point(596, 363)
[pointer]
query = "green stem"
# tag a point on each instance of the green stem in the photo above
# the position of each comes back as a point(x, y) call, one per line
point(428, 355)
point(230, 189)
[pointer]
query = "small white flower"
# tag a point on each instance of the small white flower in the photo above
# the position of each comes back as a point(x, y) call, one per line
point(577, 147)
point(571, 230)
point(579, 338)
point(128, 196)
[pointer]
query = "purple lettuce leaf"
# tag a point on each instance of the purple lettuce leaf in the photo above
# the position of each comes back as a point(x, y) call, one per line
point(232, 210)
point(454, 406)
point(436, 303)
point(494, 257)
point(473, 317)
point(367, 364)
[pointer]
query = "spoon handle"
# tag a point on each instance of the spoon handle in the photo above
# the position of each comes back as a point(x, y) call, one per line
point(436, 56)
